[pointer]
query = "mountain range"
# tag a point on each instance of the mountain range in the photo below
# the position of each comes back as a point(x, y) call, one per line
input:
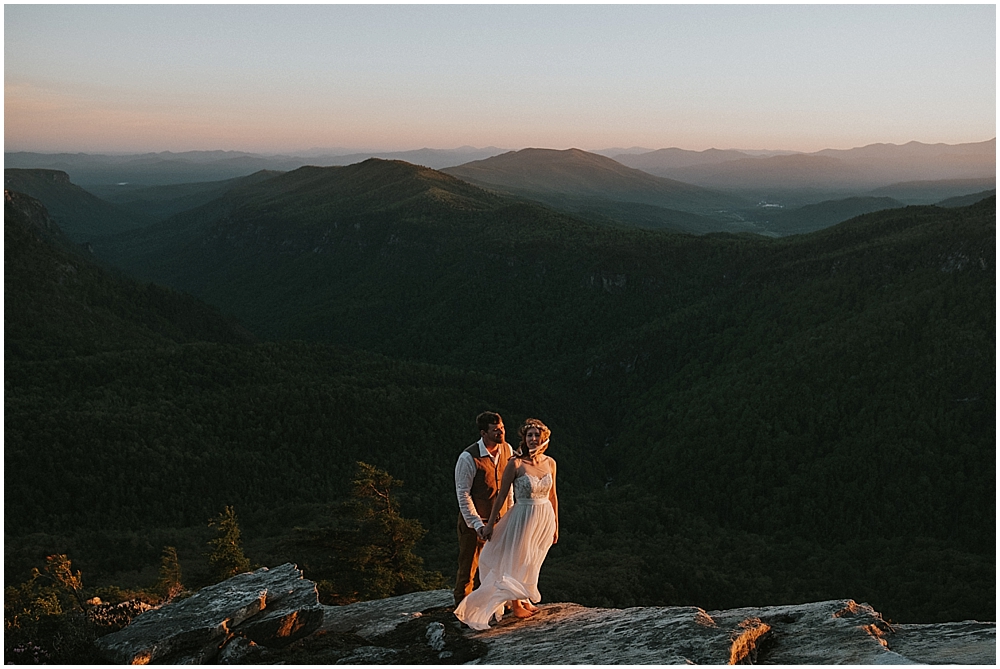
point(381, 253)
point(868, 167)
point(169, 168)
point(671, 189)
point(862, 168)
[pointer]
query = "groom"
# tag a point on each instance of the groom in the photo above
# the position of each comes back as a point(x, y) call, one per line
point(477, 482)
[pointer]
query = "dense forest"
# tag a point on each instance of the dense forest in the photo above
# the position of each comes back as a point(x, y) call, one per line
point(738, 420)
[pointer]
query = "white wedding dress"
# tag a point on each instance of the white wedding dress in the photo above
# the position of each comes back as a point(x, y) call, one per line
point(512, 558)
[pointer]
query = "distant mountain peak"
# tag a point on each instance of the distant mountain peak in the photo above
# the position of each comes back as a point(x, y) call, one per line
point(540, 155)
point(555, 176)
point(372, 185)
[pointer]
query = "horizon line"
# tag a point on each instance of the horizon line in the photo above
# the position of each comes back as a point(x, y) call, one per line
point(346, 151)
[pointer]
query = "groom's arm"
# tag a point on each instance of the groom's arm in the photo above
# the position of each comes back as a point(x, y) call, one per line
point(510, 495)
point(465, 472)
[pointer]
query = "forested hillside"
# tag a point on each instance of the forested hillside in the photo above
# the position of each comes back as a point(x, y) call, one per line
point(58, 302)
point(853, 381)
point(133, 414)
point(80, 215)
point(813, 217)
point(155, 203)
point(738, 420)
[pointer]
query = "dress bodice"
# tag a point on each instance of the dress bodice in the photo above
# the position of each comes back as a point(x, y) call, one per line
point(527, 487)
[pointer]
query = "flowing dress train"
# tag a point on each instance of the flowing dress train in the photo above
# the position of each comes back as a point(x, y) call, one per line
point(512, 558)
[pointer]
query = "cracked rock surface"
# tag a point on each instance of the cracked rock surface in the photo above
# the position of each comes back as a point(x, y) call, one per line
point(272, 607)
point(273, 617)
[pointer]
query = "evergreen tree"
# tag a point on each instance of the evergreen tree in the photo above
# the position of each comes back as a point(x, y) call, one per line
point(364, 548)
point(383, 554)
point(227, 558)
point(169, 584)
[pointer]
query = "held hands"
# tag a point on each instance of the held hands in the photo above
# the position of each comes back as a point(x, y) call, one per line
point(485, 532)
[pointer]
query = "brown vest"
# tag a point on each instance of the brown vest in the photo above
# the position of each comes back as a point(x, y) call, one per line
point(486, 482)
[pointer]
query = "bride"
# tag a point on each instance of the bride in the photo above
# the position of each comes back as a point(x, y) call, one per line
point(513, 556)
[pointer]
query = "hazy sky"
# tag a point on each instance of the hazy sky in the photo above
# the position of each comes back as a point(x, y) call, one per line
point(275, 78)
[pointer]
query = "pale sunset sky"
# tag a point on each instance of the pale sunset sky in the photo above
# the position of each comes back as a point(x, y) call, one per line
point(280, 79)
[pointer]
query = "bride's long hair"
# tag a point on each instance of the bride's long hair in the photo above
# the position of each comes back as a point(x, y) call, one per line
point(522, 432)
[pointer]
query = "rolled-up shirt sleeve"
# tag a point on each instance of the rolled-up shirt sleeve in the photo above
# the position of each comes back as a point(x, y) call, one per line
point(465, 472)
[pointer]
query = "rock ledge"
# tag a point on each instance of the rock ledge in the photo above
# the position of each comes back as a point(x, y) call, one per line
point(273, 616)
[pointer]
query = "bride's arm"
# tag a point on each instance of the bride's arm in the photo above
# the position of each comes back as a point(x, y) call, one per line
point(554, 500)
point(505, 483)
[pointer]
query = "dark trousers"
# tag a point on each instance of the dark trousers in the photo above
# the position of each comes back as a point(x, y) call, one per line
point(469, 546)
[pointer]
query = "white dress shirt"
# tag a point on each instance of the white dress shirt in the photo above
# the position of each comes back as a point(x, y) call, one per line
point(465, 472)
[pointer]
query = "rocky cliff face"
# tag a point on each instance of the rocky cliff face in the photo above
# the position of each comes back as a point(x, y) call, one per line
point(32, 210)
point(273, 616)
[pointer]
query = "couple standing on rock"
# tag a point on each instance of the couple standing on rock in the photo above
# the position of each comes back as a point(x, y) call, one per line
point(509, 520)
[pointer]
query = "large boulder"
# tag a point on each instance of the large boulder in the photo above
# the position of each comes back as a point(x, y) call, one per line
point(267, 607)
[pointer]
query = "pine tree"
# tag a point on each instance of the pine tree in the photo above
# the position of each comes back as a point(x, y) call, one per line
point(363, 549)
point(227, 558)
point(169, 584)
point(383, 553)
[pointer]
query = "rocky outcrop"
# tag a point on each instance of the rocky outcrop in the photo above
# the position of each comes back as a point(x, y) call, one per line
point(833, 632)
point(33, 211)
point(419, 628)
point(268, 607)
